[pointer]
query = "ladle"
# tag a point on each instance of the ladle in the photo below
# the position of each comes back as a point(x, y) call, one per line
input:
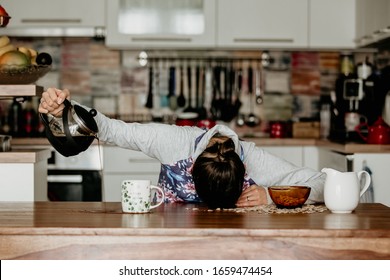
point(240, 121)
point(251, 120)
point(258, 93)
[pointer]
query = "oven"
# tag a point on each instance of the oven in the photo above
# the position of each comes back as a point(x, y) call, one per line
point(76, 178)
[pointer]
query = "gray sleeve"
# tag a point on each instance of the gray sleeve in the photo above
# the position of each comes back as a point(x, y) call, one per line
point(268, 170)
point(167, 143)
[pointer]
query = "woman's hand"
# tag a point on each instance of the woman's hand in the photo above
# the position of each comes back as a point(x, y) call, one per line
point(252, 196)
point(51, 101)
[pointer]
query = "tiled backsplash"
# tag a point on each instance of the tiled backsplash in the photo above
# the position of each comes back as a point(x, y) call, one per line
point(115, 83)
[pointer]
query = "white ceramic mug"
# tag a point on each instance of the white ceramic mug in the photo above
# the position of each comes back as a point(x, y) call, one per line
point(137, 196)
point(352, 120)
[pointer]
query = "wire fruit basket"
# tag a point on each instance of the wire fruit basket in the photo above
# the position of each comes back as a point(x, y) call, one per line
point(13, 74)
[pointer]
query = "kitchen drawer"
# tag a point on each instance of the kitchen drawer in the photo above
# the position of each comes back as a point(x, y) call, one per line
point(119, 160)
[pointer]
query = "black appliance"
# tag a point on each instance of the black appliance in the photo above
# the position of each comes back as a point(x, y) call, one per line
point(358, 98)
point(76, 178)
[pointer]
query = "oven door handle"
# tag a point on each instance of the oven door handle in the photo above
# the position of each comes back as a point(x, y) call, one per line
point(65, 178)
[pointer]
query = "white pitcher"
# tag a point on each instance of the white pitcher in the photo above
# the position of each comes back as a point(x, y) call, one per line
point(342, 190)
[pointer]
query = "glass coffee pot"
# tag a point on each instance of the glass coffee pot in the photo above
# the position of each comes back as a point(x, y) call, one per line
point(74, 132)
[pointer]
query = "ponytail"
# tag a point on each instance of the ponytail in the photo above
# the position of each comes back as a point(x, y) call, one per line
point(218, 174)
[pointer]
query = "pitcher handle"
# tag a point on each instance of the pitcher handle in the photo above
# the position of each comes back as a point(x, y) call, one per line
point(367, 183)
point(162, 196)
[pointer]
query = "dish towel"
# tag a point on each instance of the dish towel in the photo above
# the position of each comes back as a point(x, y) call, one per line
point(368, 196)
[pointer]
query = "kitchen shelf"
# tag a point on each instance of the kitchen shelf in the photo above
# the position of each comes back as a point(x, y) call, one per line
point(20, 90)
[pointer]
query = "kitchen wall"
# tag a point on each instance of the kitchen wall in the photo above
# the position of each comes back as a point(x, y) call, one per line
point(115, 83)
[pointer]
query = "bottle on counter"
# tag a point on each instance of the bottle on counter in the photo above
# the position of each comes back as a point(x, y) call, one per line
point(325, 121)
point(29, 120)
point(15, 117)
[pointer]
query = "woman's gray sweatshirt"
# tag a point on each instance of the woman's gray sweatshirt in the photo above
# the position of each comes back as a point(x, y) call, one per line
point(171, 143)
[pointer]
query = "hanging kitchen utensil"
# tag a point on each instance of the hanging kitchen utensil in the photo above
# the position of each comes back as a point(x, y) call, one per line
point(258, 86)
point(171, 88)
point(181, 100)
point(149, 98)
point(163, 84)
point(240, 121)
point(201, 94)
point(216, 101)
point(208, 88)
point(251, 120)
point(230, 111)
point(197, 80)
point(74, 132)
point(189, 108)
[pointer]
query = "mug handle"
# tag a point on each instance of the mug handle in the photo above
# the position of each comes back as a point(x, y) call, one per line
point(367, 183)
point(358, 130)
point(162, 194)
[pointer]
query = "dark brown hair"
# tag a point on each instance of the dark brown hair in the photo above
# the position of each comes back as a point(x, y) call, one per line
point(218, 174)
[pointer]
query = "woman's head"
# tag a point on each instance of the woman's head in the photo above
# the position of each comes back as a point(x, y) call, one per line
point(218, 174)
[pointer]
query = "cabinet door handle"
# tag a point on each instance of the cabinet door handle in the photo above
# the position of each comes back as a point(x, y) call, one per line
point(51, 20)
point(161, 39)
point(263, 40)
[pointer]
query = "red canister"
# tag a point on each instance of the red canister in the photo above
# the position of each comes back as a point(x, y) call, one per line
point(279, 129)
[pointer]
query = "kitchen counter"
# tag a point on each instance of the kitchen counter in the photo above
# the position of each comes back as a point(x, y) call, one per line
point(347, 148)
point(20, 90)
point(24, 155)
point(97, 230)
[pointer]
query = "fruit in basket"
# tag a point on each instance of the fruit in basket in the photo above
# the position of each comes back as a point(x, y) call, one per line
point(4, 40)
point(30, 53)
point(7, 48)
point(14, 60)
point(44, 59)
point(5, 45)
point(33, 54)
point(26, 51)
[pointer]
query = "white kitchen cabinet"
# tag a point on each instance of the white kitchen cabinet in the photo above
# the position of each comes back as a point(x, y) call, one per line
point(160, 24)
point(378, 163)
point(123, 164)
point(54, 17)
point(332, 24)
point(372, 21)
point(292, 154)
point(23, 175)
point(305, 156)
point(262, 23)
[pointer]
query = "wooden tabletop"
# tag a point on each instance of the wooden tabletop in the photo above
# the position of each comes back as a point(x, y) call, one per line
point(95, 230)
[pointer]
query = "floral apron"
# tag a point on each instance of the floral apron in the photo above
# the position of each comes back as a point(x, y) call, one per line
point(177, 183)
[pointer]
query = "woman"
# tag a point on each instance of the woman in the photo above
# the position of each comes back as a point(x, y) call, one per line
point(212, 166)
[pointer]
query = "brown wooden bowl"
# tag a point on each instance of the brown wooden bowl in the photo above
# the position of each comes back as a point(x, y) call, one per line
point(289, 196)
